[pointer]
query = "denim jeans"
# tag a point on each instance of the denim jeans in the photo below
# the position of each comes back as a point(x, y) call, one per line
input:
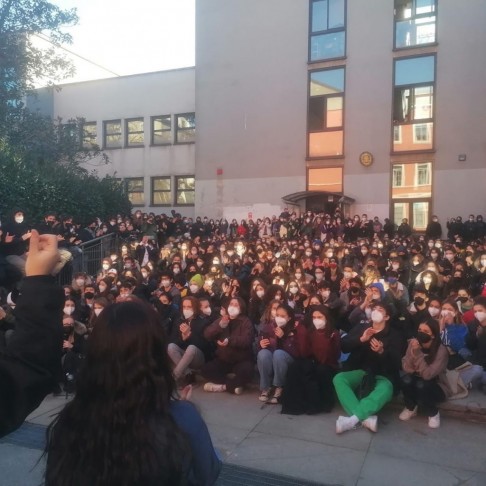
point(273, 367)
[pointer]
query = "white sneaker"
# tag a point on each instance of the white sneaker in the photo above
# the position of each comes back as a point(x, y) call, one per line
point(371, 423)
point(214, 387)
point(407, 414)
point(434, 422)
point(344, 423)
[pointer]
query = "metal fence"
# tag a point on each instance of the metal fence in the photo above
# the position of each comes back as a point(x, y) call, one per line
point(87, 257)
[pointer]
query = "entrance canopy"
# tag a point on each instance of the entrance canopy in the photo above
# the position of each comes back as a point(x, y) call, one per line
point(331, 197)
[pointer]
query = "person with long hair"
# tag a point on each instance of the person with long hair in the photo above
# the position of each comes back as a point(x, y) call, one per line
point(425, 360)
point(125, 426)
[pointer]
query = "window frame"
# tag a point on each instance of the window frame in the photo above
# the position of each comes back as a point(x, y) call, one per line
point(153, 131)
point(341, 94)
point(325, 32)
point(177, 129)
point(177, 191)
point(340, 167)
point(126, 181)
point(152, 190)
point(105, 123)
point(428, 182)
point(128, 133)
point(413, 18)
point(396, 166)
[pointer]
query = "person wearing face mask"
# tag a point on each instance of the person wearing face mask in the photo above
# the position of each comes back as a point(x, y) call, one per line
point(196, 285)
point(434, 229)
point(295, 298)
point(208, 309)
point(98, 305)
point(188, 349)
point(396, 293)
point(280, 342)
point(330, 299)
point(166, 284)
point(232, 368)
point(465, 304)
point(309, 388)
point(476, 338)
point(478, 279)
point(15, 236)
point(256, 306)
point(375, 351)
point(424, 383)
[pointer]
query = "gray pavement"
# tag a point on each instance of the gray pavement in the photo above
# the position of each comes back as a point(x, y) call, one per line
point(250, 434)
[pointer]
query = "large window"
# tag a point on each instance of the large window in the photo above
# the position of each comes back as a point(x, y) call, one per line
point(134, 132)
point(112, 134)
point(413, 103)
point(327, 38)
point(185, 128)
point(412, 180)
point(135, 191)
point(88, 135)
point(326, 113)
point(328, 179)
point(415, 22)
point(161, 130)
point(185, 190)
point(161, 191)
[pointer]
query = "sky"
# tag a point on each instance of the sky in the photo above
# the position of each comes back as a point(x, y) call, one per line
point(132, 37)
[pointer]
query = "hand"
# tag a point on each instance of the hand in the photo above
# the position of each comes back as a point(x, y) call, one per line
point(224, 321)
point(264, 343)
point(184, 328)
point(354, 301)
point(367, 335)
point(223, 343)
point(43, 255)
point(344, 284)
point(27, 235)
point(279, 332)
point(377, 346)
point(369, 296)
point(66, 345)
point(414, 344)
point(186, 392)
point(9, 238)
point(2, 313)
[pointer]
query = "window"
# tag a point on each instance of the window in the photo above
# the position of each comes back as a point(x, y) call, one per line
point(89, 136)
point(134, 132)
point(112, 134)
point(327, 29)
point(135, 191)
point(325, 179)
point(161, 130)
point(326, 113)
point(415, 22)
point(186, 128)
point(397, 134)
point(412, 181)
point(397, 176)
point(413, 103)
point(161, 191)
point(185, 190)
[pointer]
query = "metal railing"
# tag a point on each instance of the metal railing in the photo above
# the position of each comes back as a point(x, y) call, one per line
point(87, 257)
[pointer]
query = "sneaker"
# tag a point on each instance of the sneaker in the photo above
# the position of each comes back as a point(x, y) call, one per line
point(238, 390)
point(344, 423)
point(371, 423)
point(434, 422)
point(407, 414)
point(264, 396)
point(214, 387)
point(276, 396)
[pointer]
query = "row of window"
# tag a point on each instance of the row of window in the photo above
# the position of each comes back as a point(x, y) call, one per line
point(413, 108)
point(414, 22)
point(164, 130)
point(164, 190)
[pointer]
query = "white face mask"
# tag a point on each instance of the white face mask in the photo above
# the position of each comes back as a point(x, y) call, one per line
point(377, 316)
point(483, 262)
point(97, 312)
point(80, 282)
point(294, 290)
point(325, 294)
point(260, 293)
point(194, 288)
point(188, 313)
point(176, 271)
point(427, 280)
point(348, 275)
point(298, 276)
point(19, 219)
point(319, 323)
point(206, 311)
point(395, 266)
point(280, 321)
point(165, 283)
point(447, 313)
point(233, 311)
point(68, 310)
point(434, 311)
point(319, 277)
point(480, 316)
point(102, 288)
point(106, 266)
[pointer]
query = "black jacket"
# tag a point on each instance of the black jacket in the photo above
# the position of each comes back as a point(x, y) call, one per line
point(32, 359)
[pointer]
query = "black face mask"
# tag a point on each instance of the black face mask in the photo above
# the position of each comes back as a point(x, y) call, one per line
point(89, 295)
point(423, 337)
point(419, 301)
point(462, 299)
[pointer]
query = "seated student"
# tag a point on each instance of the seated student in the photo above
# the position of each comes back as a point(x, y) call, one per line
point(375, 351)
point(309, 387)
point(188, 349)
point(279, 342)
point(476, 338)
point(425, 360)
point(233, 335)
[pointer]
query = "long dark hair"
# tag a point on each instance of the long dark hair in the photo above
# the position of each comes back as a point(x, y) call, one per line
point(118, 429)
point(433, 325)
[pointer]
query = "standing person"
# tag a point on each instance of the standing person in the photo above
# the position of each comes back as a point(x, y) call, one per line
point(375, 352)
point(434, 229)
point(31, 361)
point(426, 358)
point(15, 239)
